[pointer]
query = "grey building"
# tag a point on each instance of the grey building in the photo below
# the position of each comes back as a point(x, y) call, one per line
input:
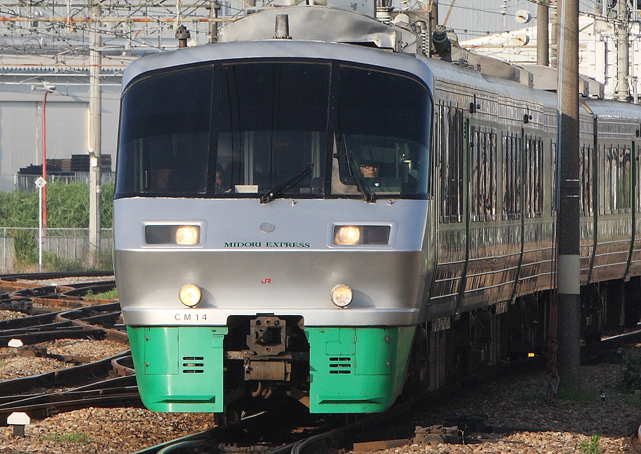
point(66, 120)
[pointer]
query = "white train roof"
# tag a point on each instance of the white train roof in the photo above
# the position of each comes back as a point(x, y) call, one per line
point(279, 48)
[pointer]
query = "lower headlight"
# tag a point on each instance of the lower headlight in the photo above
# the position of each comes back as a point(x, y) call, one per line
point(182, 235)
point(187, 234)
point(342, 295)
point(352, 235)
point(347, 235)
point(190, 295)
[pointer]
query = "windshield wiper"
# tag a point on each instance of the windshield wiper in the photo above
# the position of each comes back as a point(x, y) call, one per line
point(278, 190)
point(359, 178)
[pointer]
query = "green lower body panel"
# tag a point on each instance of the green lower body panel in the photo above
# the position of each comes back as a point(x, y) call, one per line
point(357, 370)
point(179, 369)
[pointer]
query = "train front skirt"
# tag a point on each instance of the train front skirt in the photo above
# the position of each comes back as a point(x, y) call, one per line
point(351, 369)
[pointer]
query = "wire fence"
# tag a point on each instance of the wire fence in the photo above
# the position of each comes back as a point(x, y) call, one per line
point(63, 250)
point(27, 183)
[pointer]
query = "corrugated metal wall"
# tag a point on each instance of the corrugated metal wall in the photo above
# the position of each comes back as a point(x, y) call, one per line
point(474, 18)
point(67, 116)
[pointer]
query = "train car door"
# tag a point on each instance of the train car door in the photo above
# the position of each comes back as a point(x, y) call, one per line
point(634, 260)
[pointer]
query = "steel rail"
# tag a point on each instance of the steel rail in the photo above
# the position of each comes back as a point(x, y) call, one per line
point(61, 377)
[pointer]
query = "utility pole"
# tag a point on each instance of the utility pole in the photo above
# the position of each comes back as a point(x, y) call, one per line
point(542, 34)
point(569, 277)
point(623, 52)
point(214, 6)
point(554, 32)
point(94, 135)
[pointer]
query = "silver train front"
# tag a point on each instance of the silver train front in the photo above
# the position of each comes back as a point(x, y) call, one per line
point(277, 258)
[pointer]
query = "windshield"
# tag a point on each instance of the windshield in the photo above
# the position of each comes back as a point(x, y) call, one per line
point(266, 129)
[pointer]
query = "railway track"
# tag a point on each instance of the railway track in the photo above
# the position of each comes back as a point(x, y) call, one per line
point(64, 310)
point(340, 436)
point(99, 321)
point(34, 293)
point(112, 380)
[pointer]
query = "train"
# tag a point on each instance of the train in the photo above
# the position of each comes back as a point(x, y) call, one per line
point(334, 208)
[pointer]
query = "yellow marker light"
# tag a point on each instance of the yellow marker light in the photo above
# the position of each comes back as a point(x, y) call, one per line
point(190, 295)
point(342, 295)
point(347, 234)
point(530, 355)
point(187, 235)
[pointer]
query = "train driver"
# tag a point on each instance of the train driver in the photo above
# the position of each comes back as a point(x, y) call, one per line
point(370, 169)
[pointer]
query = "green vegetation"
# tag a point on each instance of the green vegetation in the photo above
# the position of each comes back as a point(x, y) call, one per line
point(591, 447)
point(632, 374)
point(25, 245)
point(110, 295)
point(67, 208)
point(72, 437)
point(578, 395)
point(62, 264)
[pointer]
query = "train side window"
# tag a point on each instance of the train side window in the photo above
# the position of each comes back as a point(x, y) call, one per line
point(511, 176)
point(583, 181)
point(612, 177)
point(492, 188)
point(483, 174)
point(507, 165)
point(600, 179)
point(607, 179)
point(452, 165)
point(626, 178)
point(585, 172)
point(538, 177)
point(529, 174)
point(475, 174)
point(437, 149)
point(554, 178)
point(533, 176)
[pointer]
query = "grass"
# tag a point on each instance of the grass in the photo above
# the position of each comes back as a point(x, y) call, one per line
point(71, 437)
point(591, 447)
point(578, 395)
point(110, 295)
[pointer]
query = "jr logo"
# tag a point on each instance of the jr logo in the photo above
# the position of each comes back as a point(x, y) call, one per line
point(266, 281)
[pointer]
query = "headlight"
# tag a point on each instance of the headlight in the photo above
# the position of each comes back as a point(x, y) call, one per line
point(187, 234)
point(342, 295)
point(183, 235)
point(349, 235)
point(190, 295)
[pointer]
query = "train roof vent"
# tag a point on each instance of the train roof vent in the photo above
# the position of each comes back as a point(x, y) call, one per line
point(490, 66)
point(339, 26)
point(545, 79)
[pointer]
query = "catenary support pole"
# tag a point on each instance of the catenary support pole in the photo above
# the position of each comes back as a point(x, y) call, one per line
point(569, 304)
point(94, 136)
point(542, 34)
point(553, 12)
point(623, 52)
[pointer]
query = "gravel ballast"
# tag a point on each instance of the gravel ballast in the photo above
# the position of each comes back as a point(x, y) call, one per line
point(526, 422)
